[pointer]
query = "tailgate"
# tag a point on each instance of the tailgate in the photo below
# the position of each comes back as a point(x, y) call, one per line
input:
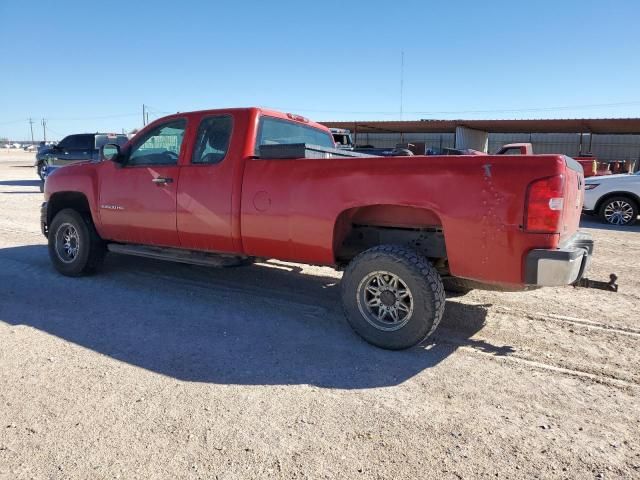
point(573, 198)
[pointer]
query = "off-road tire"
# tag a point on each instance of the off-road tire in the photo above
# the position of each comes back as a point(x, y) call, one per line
point(620, 198)
point(419, 276)
point(456, 285)
point(91, 249)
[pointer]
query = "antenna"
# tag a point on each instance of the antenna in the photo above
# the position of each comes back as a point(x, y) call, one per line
point(401, 81)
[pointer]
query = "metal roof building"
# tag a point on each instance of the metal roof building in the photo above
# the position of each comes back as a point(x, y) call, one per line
point(608, 139)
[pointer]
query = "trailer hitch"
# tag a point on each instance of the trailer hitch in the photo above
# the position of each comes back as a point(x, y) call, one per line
point(610, 286)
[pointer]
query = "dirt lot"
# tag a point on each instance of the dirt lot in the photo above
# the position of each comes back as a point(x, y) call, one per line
point(155, 370)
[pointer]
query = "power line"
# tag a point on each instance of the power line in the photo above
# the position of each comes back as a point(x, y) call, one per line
point(457, 112)
point(100, 117)
point(14, 121)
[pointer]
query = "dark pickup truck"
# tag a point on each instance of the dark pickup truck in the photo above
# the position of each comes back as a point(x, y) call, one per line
point(75, 148)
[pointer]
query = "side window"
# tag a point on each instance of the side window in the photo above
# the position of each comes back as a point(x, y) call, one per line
point(275, 131)
point(88, 142)
point(75, 142)
point(160, 146)
point(212, 140)
point(64, 143)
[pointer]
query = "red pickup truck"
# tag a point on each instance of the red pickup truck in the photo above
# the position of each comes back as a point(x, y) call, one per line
point(223, 186)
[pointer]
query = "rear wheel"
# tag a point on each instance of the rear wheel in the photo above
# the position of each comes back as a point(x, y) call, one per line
point(392, 297)
point(75, 248)
point(619, 211)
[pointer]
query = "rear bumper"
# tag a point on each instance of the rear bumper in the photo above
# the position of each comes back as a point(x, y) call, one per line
point(561, 266)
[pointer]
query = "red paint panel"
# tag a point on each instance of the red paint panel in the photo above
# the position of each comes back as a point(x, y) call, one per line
point(481, 208)
point(133, 209)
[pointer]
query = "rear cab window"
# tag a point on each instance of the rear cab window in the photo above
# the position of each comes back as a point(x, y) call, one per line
point(278, 131)
point(512, 151)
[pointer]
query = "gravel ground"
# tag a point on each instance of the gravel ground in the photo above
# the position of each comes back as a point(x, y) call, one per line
point(157, 370)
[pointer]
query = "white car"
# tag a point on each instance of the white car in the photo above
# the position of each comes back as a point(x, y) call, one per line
point(614, 198)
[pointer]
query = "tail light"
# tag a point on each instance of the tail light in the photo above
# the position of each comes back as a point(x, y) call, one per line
point(545, 201)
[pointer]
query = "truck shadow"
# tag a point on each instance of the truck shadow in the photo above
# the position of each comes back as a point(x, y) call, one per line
point(20, 183)
point(267, 324)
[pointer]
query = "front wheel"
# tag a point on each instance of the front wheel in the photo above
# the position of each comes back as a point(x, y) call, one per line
point(75, 248)
point(392, 296)
point(620, 211)
point(40, 170)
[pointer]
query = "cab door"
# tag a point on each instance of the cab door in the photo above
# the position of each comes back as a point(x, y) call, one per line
point(138, 198)
point(205, 190)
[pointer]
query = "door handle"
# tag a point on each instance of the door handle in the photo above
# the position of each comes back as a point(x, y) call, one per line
point(162, 180)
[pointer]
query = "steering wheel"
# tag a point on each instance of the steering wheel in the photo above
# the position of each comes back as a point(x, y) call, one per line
point(171, 154)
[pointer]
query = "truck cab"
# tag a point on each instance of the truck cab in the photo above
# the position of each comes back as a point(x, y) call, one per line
point(516, 149)
point(74, 148)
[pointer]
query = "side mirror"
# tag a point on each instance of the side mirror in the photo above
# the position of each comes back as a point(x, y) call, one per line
point(111, 152)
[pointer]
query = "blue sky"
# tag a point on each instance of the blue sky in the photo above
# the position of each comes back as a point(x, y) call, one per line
point(86, 67)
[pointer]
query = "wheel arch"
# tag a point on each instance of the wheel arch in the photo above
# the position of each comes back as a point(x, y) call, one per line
point(623, 193)
point(419, 227)
point(58, 201)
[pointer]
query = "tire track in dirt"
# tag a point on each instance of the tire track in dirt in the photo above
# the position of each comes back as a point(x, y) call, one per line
point(581, 374)
point(505, 335)
point(543, 317)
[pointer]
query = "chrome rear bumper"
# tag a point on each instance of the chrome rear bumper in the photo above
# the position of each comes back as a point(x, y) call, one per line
point(561, 266)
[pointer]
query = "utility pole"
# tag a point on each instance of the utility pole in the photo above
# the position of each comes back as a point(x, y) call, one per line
point(401, 81)
point(44, 129)
point(144, 115)
point(31, 126)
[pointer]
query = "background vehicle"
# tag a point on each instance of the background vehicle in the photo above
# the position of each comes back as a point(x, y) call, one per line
point(516, 149)
point(75, 148)
point(614, 198)
point(231, 185)
point(344, 141)
point(342, 138)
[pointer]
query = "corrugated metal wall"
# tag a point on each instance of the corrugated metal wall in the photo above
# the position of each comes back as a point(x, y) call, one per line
point(616, 147)
point(473, 139)
point(390, 140)
point(604, 147)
